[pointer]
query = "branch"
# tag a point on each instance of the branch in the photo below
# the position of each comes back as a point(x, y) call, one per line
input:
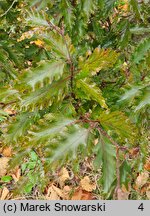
point(8, 8)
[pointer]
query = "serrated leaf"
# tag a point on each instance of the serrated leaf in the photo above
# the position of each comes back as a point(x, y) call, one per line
point(117, 122)
point(51, 131)
point(91, 92)
point(135, 7)
point(58, 138)
point(145, 100)
point(56, 43)
point(141, 50)
point(105, 158)
point(51, 70)
point(70, 144)
point(44, 96)
point(98, 60)
point(68, 13)
point(19, 127)
point(7, 95)
point(88, 7)
point(36, 18)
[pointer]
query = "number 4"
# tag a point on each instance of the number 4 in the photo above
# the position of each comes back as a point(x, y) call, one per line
point(141, 207)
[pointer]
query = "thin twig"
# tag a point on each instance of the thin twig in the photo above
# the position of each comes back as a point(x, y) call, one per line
point(117, 171)
point(8, 8)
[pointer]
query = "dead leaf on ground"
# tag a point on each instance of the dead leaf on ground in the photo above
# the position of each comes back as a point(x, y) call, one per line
point(4, 194)
point(54, 193)
point(80, 194)
point(87, 185)
point(63, 176)
point(16, 175)
point(10, 111)
point(3, 165)
point(148, 194)
point(142, 179)
point(147, 165)
point(122, 193)
point(7, 152)
point(66, 192)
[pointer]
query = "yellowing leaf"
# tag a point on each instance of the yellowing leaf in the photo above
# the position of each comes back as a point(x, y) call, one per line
point(89, 90)
point(38, 42)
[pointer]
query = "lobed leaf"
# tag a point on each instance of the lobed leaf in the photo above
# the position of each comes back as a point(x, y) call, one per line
point(100, 59)
point(52, 70)
point(91, 92)
point(105, 158)
point(141, 50)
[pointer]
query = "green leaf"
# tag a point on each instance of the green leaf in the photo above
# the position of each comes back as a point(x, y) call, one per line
point(141, 50)
point(8, 95)
point(118, 123)
point(135, 7)
point(19, 127)
point(58, 138)
point(3, 115)
point(57, 44)
point(33, 156)
point(105, 158)
point(46, 70)
point(68, 14)
point(88, 7)
point(145, 100)
point(6, 178)
point(125, 171)
point(45, 96)
point(36, 18)
point(91, 92)
point(51, 131)
point(28, 187)
point(70, 144)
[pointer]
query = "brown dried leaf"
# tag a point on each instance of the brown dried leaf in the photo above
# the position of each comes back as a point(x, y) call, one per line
point(66, 192)
point(86, 184)
point(147, 165)
point(134, 151)
point(16, 175)
point(10, 111)
point(7, 152)
point(148, 194)
point(3, 165)
point(80, 194)
point(63, 176)
point(122, 194)
point(54, 193)
point(4, 194)
point(142, 179)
